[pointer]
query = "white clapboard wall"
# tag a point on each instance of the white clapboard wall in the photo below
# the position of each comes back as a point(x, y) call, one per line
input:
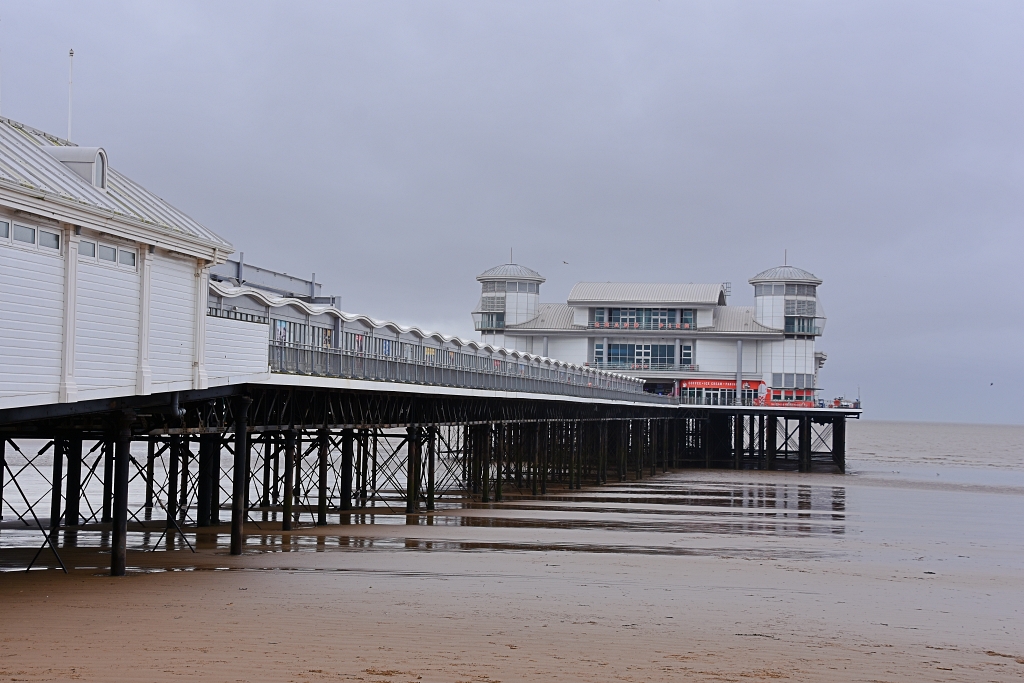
point(172, 321)
point(31, 309)
point(107, 330)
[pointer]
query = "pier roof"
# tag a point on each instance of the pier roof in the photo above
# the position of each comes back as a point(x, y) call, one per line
point(25, 166)
point(785, 274)
point(510, 270)
point(550, 317)
point(646, 293)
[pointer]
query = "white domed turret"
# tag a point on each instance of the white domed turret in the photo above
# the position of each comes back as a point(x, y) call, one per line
point(510, 294)
point(786, 298)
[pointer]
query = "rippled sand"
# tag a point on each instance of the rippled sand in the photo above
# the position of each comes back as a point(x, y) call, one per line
point(702, 576)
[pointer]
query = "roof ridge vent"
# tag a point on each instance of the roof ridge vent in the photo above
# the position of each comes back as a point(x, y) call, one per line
point(89, 163)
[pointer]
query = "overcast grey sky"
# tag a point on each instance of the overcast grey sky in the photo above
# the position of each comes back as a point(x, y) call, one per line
point(398, 149)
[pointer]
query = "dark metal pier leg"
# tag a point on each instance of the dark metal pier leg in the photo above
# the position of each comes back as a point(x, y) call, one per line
point(73, 495)
point(760, 442)
point(412, 456)
point(119, 537)
point(771, 440)
point(485, 463)
point(3, 471)
point(737, 444)
point(150, 476)
point(805, 444)
point(839, 442)
point(545, 467)
point(59, 446)
point(239, 475)
point(431, 455)
point(215, 448)
point(108, 479)
point(268, 458)
point(499, 457)
point(323, 443)
point(204, 487)
point(289, 485)
point(172, 484)
point(347, 437)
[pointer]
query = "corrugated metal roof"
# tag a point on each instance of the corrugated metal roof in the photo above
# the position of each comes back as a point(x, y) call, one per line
point(785, 274)
point(584, 293)
point(734, 319)
point(551, 317)
point(510, 270)
point(25, 165)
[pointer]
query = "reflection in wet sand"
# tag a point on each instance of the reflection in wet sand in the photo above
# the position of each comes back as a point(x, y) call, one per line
point(658, 516)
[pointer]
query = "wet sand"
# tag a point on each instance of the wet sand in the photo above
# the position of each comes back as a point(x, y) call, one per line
point(697, 576)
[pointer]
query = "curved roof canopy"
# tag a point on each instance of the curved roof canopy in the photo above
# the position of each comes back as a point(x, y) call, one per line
point(508, 271)
point(785, 274)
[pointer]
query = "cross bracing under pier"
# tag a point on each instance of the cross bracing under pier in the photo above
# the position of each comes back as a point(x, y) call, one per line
point(277, 456)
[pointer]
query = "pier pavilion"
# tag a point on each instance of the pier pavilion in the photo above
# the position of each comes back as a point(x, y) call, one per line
point(684, 340)
point(146, 382)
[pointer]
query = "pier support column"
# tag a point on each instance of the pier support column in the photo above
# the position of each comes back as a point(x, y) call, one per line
point(174, 456)
point(119, 537)
point(805, 443)
point(240, 477)
point(322, 450)
point(108, 479)
point(289, 481)
point(486, 436)
point(59, 446)
point(839, 442)
point(150, 477)
point(204, 486)
point(216, 443)
point(431, 456)
point(412, 474)
point(499, 458)
point(347, 456)
point(73, 492)
point(771, 437)
point(737, 442)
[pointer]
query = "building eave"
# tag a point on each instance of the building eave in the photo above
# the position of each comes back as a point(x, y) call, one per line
point(31, 200)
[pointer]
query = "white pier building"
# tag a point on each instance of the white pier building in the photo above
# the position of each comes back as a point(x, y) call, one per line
point(683, 339)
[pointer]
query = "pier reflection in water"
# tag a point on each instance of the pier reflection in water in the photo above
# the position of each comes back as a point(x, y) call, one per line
point(673, 514)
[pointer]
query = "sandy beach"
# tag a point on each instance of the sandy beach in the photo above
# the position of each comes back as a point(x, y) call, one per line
point(878, 575)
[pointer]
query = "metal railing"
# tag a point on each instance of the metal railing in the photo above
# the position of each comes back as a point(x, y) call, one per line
point(447, 367)
point(643, 367)
point(642, 326)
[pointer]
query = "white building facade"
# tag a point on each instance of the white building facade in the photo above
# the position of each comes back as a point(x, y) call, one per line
point(683, 339)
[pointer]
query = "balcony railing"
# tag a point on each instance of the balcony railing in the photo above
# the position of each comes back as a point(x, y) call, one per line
point(445, 367)
point(633, 366)
point(643, 326)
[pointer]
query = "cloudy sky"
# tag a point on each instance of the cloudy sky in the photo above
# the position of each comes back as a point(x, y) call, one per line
point(398, 149)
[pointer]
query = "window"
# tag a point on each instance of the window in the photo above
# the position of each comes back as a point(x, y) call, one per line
point(599, 315)
point(687, 317)
point(791, 380)
point(599, 354)
point(663, 354)
point(686, 354)
point(50, 240)
point(5, 229)
point(800, 290)
point(23, 233)
point(795, 325)
point(126, 257)
point(107, 253)
point(804, 307)
point(86, 248)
